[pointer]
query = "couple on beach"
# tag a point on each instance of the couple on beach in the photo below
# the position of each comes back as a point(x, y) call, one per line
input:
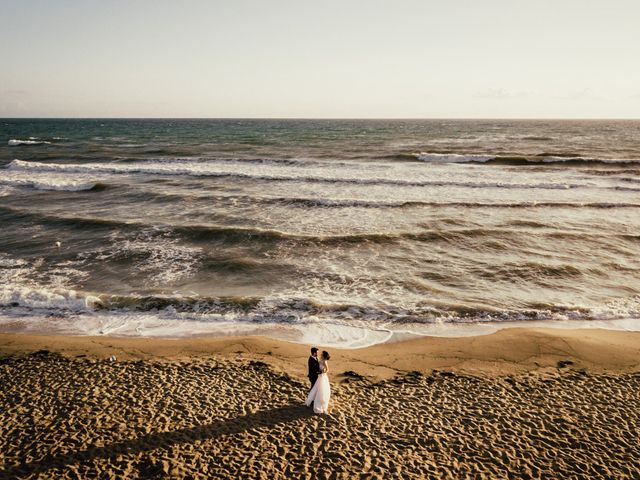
point(320, 393)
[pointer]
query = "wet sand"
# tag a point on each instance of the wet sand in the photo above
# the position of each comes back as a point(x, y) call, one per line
point(520, 403)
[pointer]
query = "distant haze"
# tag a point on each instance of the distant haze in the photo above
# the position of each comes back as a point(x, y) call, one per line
point(349, 58)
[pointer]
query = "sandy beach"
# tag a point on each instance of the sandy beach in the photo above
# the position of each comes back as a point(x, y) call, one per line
point(520, 403)
point(444, 199)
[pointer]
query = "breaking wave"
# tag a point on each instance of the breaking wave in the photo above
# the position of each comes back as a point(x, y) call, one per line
point(292, 310)
point(239, 234)
point(353, 203)
point(15, 142)
point(539, 159)
point(265, 173)
point(48, 182)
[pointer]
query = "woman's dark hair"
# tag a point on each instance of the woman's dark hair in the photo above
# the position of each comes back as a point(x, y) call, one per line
point(326, 355)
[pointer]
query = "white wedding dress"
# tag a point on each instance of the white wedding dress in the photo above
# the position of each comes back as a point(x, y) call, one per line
point(320, 394)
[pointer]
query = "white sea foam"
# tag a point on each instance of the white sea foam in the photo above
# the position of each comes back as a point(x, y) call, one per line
point(6, 190)
point(26, 284)
point(6, 261)
point(134, 324)
point(15, 142)
point(452, 157)
point(631, 324)
point(159, 254)
point(76, 316)
point(43, 298)
point(46, 181)
point(44, 301)
point(554, 159)
point(32, 300)
point(20, 288)
point(481, 158)
point(359, 174)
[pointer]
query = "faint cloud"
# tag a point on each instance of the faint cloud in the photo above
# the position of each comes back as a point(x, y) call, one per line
point(580, 95)
point(500, 93)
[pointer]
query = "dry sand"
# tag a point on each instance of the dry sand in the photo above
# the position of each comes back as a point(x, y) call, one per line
point(521, 403)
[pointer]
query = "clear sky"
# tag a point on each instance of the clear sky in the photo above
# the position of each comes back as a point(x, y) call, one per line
point(299, 58)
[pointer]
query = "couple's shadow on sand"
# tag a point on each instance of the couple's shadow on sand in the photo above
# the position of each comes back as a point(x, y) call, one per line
point(152, 441)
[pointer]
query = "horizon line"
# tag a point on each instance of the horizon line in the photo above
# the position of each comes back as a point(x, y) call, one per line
point(318, 118)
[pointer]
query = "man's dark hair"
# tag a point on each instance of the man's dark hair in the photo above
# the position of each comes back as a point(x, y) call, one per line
point(314, 350)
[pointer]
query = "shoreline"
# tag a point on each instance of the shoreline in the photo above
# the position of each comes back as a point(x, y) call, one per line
point(332, 335)
point(504, 352)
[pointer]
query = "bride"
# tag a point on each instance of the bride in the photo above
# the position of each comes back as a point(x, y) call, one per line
point(320, 394)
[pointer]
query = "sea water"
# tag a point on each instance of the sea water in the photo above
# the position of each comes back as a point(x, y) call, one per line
point(337, 232)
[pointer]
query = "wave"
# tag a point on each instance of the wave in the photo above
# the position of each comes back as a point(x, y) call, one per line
point(537, 138)
point(209, 170)
point(50, 299)
point(340, 203)
point(292, 162)
point(615, 172)
point(238, 161)
point(15, 142)
point(194, 232)
point(198, 232)
point(349, 203)
point(452, 158)
point(532, 271)
point(629, 179)
point(227, 234)
point(48, 182)
point(6, 191)
point(517, 160)
point(289, 310)
point(54, 185)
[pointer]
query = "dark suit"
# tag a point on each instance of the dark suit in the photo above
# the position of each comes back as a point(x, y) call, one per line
point(314, 369)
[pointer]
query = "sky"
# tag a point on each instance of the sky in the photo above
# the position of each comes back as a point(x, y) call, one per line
point(320, 59)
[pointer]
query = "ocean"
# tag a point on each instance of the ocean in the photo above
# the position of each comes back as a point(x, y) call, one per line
point(335, 232)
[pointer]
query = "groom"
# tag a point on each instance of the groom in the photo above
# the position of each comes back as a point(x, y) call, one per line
point(314, 366)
